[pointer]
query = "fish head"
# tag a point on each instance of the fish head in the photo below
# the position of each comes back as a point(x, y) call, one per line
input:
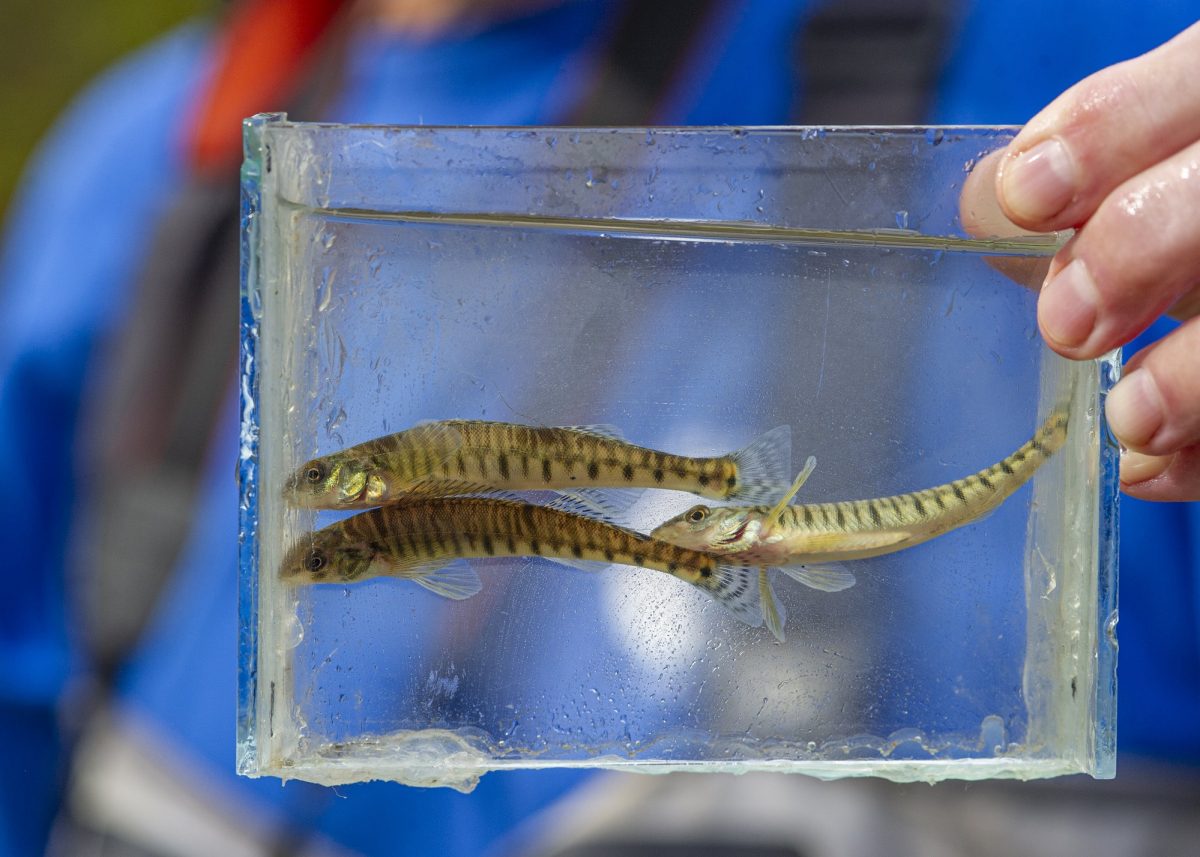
point(326, 556)
point(715, 530)
point(332, 482)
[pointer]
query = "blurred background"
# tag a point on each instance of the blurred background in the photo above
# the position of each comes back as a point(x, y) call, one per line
point(49, 51)
point(118, 277)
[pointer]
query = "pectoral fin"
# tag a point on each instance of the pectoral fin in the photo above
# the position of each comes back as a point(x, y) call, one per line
point(456, 581)
point(608, 505)
point(449, 578)
point(451, 488)
point(827, 578)
point(601, 430)
point(777, 510)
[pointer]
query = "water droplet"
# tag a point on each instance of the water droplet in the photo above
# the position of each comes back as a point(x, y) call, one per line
point(325, 291)
point(1110, 629)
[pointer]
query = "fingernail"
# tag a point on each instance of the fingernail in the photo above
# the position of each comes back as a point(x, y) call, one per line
point(1138, 467)
point(1135, 409)
point(1067, 306)
point(1039, 182)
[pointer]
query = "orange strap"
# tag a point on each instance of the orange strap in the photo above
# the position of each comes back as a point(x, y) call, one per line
point(260, 55)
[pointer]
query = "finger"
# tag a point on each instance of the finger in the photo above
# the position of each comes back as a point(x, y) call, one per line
point(1100, 132)
point(980, 215)
point(1155, 409)
point(1168, 478)
point(979, 210)
point(1134, 259)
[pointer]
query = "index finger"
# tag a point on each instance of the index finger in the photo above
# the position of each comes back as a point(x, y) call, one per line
point(1101, 132)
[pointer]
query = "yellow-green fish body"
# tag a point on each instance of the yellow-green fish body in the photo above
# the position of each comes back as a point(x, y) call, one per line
point(420, 540)
point(786, 535)
point(473, 456)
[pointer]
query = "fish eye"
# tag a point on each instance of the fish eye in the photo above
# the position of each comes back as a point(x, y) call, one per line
point(315, 560)
point(697, 514)
point(315, 472)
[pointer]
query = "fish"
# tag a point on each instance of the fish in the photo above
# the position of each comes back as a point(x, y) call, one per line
point(422, 540)
point(808, 542)
point(474, 456)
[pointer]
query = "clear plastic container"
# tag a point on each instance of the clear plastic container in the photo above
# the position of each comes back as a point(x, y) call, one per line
point(695, 288)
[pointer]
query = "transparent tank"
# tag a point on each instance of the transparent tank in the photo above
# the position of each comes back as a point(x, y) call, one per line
point(694, 288)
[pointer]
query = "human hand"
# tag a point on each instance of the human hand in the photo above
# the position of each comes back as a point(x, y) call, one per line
point(1117, 156)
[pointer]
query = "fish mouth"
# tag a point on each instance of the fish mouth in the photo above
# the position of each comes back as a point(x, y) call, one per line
point(296, 497)
point(737, 534)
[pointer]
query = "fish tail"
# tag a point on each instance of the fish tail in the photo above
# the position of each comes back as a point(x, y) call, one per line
point(987, 488)
point(735, 587)
point(1034, 453)
point(763, 469)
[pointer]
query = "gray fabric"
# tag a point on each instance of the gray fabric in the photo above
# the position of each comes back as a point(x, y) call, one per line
point(1148, 810)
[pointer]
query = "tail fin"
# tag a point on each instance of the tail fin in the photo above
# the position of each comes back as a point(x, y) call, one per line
point(982, 492)
point(764, 468)
point(735, 587)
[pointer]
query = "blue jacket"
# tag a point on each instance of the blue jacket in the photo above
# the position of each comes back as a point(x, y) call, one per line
point(75, 235)
point(73, 241)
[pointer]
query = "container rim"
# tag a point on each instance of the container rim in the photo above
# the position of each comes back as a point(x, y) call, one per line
point(281, 119)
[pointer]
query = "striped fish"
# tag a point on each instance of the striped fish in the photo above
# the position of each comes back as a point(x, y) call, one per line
point(471, 457)
point(796, 538)
point(421, 539)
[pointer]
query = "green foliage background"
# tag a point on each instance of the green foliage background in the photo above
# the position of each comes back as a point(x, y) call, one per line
point(49, 49)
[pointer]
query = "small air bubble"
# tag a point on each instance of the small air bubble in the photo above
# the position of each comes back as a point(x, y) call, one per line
point(293, 631)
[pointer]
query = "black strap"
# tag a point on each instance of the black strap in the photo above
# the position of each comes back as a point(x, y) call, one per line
point(642, 60)
point(872, 61)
